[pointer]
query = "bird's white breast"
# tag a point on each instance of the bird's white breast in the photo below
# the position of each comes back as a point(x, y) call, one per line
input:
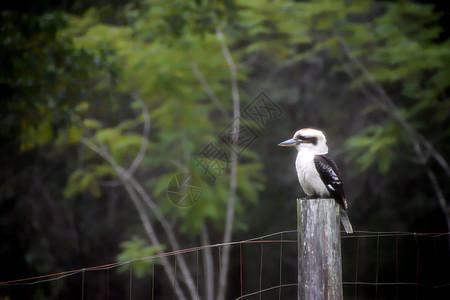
point(308, 176)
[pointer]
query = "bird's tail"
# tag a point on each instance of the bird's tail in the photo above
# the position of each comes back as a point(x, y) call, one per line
point(346, 221)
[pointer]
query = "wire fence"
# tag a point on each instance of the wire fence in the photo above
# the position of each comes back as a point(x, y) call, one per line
point(376, 265)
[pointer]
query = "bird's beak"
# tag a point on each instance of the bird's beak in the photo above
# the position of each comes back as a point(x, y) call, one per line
point(290, 143)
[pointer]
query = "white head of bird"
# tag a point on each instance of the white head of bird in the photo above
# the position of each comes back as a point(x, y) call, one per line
point(307, 139)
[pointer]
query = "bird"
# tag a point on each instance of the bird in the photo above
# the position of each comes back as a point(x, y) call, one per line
point(317, 172)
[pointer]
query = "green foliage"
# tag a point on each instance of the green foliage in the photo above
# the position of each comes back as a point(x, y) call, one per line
point(388, 46)
point(88, 179)
point(175, 19)
point(183, 117)
point(375, 146)
point(45, 76)
point(138, 251)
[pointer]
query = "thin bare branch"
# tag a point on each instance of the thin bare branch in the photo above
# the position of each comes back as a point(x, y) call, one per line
point(189, 281)
point(129, 179)
point(152, 234)
point(417, 139)
point(141, 211)
point(208, 265)
point(144, 144)
point(140, 156)
point(223, 276)
point(208, 90)
point(440, 195)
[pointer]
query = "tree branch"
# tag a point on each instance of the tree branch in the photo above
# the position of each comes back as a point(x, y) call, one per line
point(128, 179)
point(389, 106)
point(140, 156)
point(127, 175)
point(208, 265)
point(152, 235)
point(441, 199)
point(223, 276)
point(137, 203)
point(208, 90)
point(416, 138)
point(144, 143)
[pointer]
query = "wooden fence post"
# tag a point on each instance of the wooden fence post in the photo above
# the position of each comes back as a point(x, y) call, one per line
point(319, 249)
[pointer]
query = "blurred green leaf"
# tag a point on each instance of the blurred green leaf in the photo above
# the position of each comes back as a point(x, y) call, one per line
point(140, 253)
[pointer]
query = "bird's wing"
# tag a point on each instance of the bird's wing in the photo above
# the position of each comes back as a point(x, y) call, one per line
point(329, 174)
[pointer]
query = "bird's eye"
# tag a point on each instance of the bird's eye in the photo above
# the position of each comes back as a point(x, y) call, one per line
point(314, 141)
point(311, 140)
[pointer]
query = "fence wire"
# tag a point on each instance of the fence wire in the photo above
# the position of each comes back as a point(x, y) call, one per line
point(378, 252)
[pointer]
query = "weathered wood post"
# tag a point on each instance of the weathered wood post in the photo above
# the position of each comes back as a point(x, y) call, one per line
point(319, 249)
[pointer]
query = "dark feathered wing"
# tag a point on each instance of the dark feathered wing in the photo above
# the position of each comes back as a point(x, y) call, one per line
point(329, 174)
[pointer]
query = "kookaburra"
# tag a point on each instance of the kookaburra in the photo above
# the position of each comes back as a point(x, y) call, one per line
point(317, 172)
